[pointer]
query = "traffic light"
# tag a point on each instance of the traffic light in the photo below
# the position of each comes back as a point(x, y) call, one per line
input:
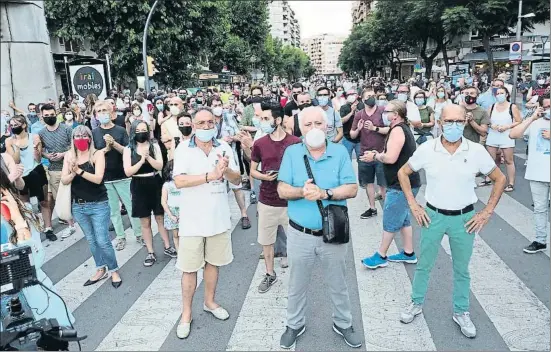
point(151, 69)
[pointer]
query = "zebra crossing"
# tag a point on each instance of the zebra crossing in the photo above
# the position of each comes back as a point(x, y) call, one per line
point(509, 293)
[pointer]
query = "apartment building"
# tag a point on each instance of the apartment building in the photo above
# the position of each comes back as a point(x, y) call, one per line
point(361, 9)
point(324, 51)
point(283, 24)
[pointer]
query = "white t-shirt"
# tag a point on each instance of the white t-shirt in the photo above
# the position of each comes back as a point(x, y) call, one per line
point(145, 105)
point(206, 210)
point(412, 111)
point(539, 158)
point(451, 179)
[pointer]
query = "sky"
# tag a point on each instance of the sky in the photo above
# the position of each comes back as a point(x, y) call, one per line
point(317, 17)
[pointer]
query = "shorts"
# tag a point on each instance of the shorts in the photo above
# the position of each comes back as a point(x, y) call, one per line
point(368, 171)
point(396, 213)
point(499, 140)
point(146, 196)
point(269, 219)
point(169, 224)
point(53, 181)
point(194, 252)
point(34, 183)
point(235, 187)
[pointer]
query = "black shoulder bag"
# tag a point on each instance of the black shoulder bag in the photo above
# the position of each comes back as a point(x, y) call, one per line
point(336, 226)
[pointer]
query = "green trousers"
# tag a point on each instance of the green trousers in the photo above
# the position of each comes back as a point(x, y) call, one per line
point(461, 245)
point(121, 189)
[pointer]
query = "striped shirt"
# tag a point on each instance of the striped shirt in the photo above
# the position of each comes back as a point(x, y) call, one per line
point(56, 141)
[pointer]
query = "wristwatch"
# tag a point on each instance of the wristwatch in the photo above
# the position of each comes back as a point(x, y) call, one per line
point(377, 129)
point(329, 194)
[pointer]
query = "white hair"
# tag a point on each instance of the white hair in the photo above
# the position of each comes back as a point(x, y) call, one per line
point(313, 109)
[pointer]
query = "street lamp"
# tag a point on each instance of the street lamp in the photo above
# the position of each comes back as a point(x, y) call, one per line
point(519, 29)
point(144, 49)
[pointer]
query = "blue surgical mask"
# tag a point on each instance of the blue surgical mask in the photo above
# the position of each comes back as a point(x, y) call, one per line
point(547, 114)
point(32, 113)
point(160, 107)
point(205, 135)
point(441, 95)
point(103, 118)
point(419, 101)
point(267, 127)
point(453, 132)
point(500, 98)
point(386, 121)
point(382, 102)
point(323, 101)
point(256, 122)
point(402, 97)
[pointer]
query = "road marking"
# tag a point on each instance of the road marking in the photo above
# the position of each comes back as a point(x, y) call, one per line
point(147, 324)
point(519, 316)
point(385, 292)
point(521, 155)
point(70, 287)
point(263, 316)
point(514, 213)
point(52, 249)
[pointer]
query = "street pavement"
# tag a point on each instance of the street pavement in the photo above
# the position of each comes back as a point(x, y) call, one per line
point(509, 292)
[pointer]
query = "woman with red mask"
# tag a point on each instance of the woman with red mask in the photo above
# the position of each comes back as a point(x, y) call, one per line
point(83, 169)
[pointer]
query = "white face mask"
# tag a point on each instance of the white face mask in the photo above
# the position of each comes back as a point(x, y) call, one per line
point(137, 112)
point(217, 111)
point(69, 117)
point(351, 99)
point(174, 110)
point(315, 138)
point(541, 82)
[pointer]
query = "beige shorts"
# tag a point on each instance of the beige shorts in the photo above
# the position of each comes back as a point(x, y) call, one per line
point(54, 178)
point(269, 218)
point(194, 252)
point(47, 177)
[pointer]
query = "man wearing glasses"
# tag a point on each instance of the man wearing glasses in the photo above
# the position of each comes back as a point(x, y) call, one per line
point(334, 122)
point(202, 164)
point(451, 164)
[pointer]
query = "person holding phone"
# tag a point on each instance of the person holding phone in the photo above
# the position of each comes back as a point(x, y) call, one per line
point(272, 210)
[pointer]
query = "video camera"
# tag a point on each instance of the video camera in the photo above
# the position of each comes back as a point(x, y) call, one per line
point(19, 330)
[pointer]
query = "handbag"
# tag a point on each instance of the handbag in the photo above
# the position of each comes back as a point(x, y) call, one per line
point(63, 202)
point(334, 217)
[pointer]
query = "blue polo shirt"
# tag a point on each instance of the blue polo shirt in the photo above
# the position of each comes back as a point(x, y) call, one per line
point(332, 170)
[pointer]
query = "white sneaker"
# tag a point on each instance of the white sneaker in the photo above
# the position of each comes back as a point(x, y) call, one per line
point(284, 263)
point(411, 312)
point(68, 232)
point(183, 330)
point(465, 323)
point(219, 313)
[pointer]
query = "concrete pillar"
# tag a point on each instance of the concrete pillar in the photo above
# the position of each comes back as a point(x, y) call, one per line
point(27, 68)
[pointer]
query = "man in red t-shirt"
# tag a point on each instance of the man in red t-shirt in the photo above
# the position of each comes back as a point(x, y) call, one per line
point(272, 210)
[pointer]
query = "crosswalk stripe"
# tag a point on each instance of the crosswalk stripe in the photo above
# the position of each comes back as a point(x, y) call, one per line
point(70, 287)
point(52, 249)
point(265, 312)
point(507, 301)
point(157, 309)
point(383, 293)
point(521, 155)
point(513, 212)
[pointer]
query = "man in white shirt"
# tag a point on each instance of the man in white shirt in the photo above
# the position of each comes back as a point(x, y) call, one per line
point(451, 163)
point(537, 169)
point(146, 106)
point(202, 164)
point(403, 94)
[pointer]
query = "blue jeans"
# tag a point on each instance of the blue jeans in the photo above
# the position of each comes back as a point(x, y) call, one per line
point(396, 214)
point(350, 146)
point(93, 219)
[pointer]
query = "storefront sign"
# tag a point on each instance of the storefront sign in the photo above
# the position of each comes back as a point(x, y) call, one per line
point(88, 79)
point(539, 68)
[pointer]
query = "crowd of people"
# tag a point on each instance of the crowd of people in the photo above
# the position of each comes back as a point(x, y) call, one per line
point(175, 155)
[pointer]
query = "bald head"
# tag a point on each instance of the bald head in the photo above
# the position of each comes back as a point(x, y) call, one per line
point(176, 101)
point(452, 112)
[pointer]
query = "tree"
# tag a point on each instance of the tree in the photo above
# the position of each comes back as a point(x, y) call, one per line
point(179, 33)
point(492, 17)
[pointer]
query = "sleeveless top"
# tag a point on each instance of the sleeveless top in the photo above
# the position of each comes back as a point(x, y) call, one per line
point(82, 189)
point(27, 157)
point(391, 170)
point(500, 118)
point(146, 168)
point(296, 129)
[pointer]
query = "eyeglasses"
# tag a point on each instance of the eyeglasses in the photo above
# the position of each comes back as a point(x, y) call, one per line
point(102, 111)
point(453, 122)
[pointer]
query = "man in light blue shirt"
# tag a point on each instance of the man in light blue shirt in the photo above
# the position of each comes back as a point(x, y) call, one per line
point(334, 182)
point(334, 122)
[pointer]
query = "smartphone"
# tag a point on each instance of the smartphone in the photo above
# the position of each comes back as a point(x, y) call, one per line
point(272, 172)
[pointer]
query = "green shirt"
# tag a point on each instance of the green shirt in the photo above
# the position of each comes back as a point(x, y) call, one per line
point(425, 118)
point(481, 117)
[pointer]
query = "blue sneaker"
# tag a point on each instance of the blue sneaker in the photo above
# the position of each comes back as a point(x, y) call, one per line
point(375, 261)
point(403, 258)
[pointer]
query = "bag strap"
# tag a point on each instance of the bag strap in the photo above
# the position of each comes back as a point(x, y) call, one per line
point(511, 112)
point(311, 175)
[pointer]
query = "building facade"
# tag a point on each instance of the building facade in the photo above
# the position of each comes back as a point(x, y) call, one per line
point(324, 51)
point(283, 24)
point(361, 9)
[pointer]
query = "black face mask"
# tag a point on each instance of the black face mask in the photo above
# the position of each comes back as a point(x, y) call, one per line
point(50, 120)
point(185, 130)
point(304, 106)
point(470, 100)
point(141, 137)
point(17, 130)
point(370, 101)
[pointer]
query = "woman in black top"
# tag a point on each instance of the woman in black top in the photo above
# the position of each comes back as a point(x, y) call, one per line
point(83, 169)
point(142, 160)
point(399, 147)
